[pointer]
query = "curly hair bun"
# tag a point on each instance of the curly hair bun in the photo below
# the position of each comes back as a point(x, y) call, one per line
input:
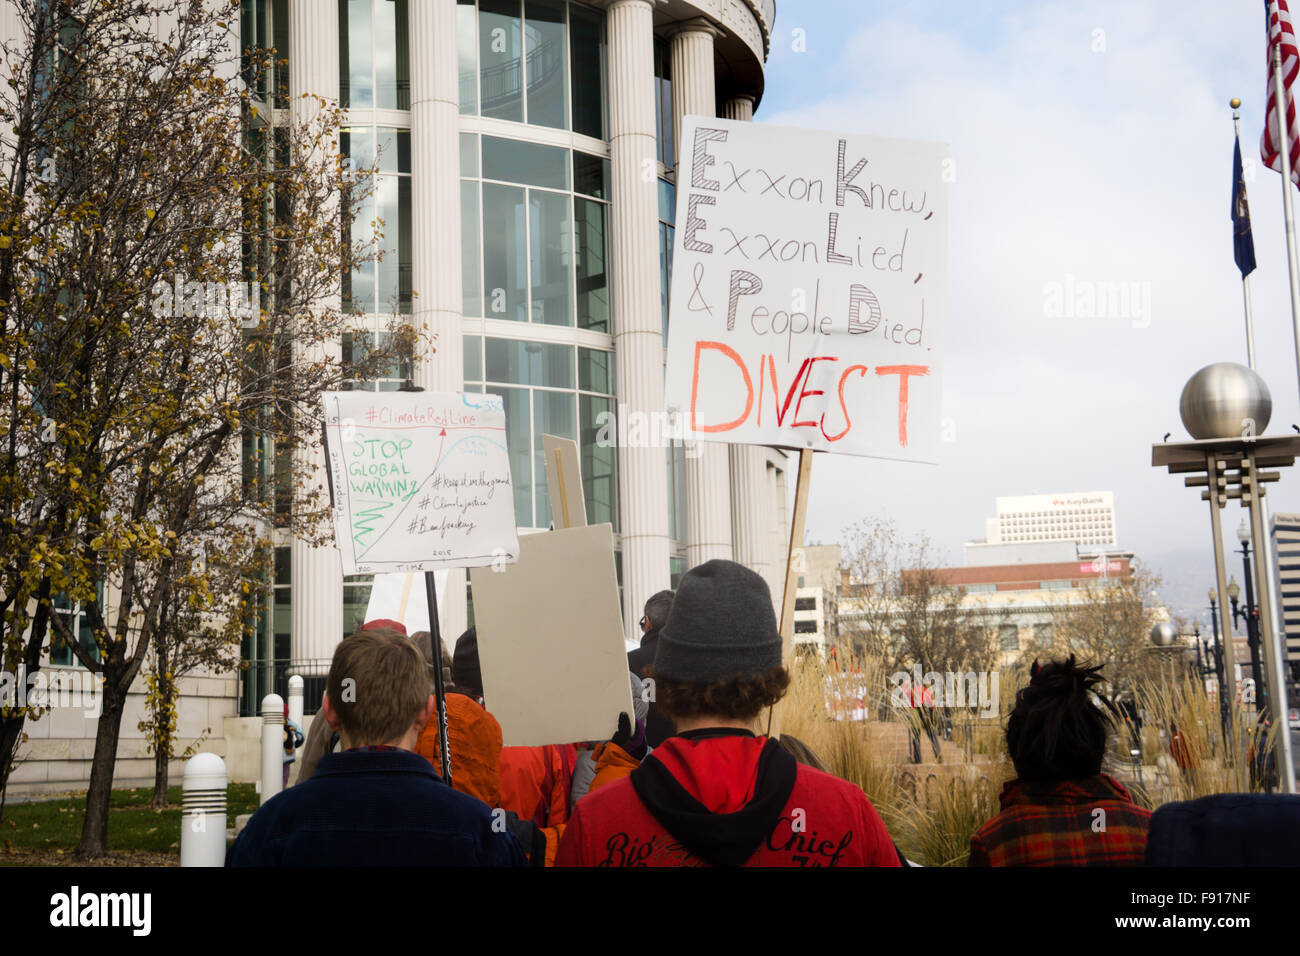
point(1057, 731)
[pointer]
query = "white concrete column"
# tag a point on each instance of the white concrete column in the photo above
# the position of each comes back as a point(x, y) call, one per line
point(708, 473)
point(316, 573)
point(435, 232)
point(752, 512)
point(638, 323)
point(739, 108)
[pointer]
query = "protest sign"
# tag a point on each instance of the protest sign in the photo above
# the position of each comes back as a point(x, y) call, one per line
point(420, 481)
point(564, 481)
point(401, 597)
point(550, 639)
point(808, 295)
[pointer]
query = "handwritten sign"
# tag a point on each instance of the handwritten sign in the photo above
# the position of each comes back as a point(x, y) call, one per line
point(808, 295)
point(420, 480)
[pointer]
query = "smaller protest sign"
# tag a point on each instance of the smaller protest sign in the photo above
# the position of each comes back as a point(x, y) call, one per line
point(420, 481)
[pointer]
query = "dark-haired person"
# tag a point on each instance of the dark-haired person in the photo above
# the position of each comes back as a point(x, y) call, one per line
point(716, 793)
point(1061, 810)
point(376, 803)
point(658, 727)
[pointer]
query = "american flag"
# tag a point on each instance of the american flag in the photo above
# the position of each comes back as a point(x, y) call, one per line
point(1281, 33)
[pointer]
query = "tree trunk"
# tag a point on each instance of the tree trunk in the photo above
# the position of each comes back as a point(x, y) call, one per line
point(94, 829)
point(162, 742)
point(11, 728)
point(11, 732)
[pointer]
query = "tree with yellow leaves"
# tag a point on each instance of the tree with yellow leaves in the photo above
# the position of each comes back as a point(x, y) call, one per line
point(170, 269)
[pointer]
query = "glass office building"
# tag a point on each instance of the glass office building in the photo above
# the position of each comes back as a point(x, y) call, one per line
point(526, 153)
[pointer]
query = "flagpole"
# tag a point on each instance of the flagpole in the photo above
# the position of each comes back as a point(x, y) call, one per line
point(1284, 153)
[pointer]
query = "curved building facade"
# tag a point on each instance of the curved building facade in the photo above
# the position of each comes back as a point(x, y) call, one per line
point(527, 153)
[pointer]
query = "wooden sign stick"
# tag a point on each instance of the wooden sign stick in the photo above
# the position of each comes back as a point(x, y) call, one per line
point(792, 576)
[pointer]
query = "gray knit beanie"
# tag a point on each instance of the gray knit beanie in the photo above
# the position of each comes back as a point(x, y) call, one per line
point(721, 627)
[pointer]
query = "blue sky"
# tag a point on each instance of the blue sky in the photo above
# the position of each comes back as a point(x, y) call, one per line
point(1093, 143)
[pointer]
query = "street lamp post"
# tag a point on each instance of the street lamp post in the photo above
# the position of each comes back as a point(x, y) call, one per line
point(1250, 613)
point(1218, 667)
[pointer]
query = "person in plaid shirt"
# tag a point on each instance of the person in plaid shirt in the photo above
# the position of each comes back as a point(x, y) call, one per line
point(1061, 810)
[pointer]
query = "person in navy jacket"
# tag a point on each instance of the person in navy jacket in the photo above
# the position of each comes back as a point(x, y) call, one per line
point(376, 803)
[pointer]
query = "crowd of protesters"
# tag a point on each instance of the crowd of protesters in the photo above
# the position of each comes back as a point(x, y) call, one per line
point(688, 778)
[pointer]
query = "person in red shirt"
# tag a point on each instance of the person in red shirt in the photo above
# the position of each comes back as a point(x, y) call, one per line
point(1061, 810)
point(716, 793)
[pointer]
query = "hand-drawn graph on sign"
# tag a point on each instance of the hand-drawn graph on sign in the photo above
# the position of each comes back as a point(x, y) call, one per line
point(420, 481)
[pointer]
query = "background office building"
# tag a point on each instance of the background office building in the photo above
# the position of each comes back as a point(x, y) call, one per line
point(1087, 518)
point(1285, 534)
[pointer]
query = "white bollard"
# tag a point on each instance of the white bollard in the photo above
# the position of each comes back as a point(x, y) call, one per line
point(272, 746)
point(295, 700)
point(203, 811)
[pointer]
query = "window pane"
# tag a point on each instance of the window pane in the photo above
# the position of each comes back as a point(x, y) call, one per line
point(599, 458)
point(473, 358)
point(280, 31)
point(500, 60)
point(392, 149)
point(520, 445)
point(550, 239)
point(356, 598)
point(513, 161)
point(392, 62)
point(590, 175)
point(596, 371)
point(663, 104)
point(471, 290)
point(590, 264)
point(586, 49)
point(667, 201)
point(389, 210)
point(358, 144)
point(553, 414)
point(468, 154)
point(1009, 637)
point(360, 68)
point(663, 275)
point(405, 246)
point(363, 277)
point(676, 568)
point(467, 56)
point(548, 93)
point(505, 251)
point(528, 363)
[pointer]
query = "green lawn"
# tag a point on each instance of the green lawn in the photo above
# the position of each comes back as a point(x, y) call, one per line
point(132, 825)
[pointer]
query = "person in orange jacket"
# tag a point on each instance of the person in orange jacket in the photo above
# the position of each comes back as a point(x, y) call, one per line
point(473, 734)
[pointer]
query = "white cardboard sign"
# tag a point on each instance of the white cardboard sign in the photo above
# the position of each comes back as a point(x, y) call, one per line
point(420, 481)
point(550, 639)
point(809, 289)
